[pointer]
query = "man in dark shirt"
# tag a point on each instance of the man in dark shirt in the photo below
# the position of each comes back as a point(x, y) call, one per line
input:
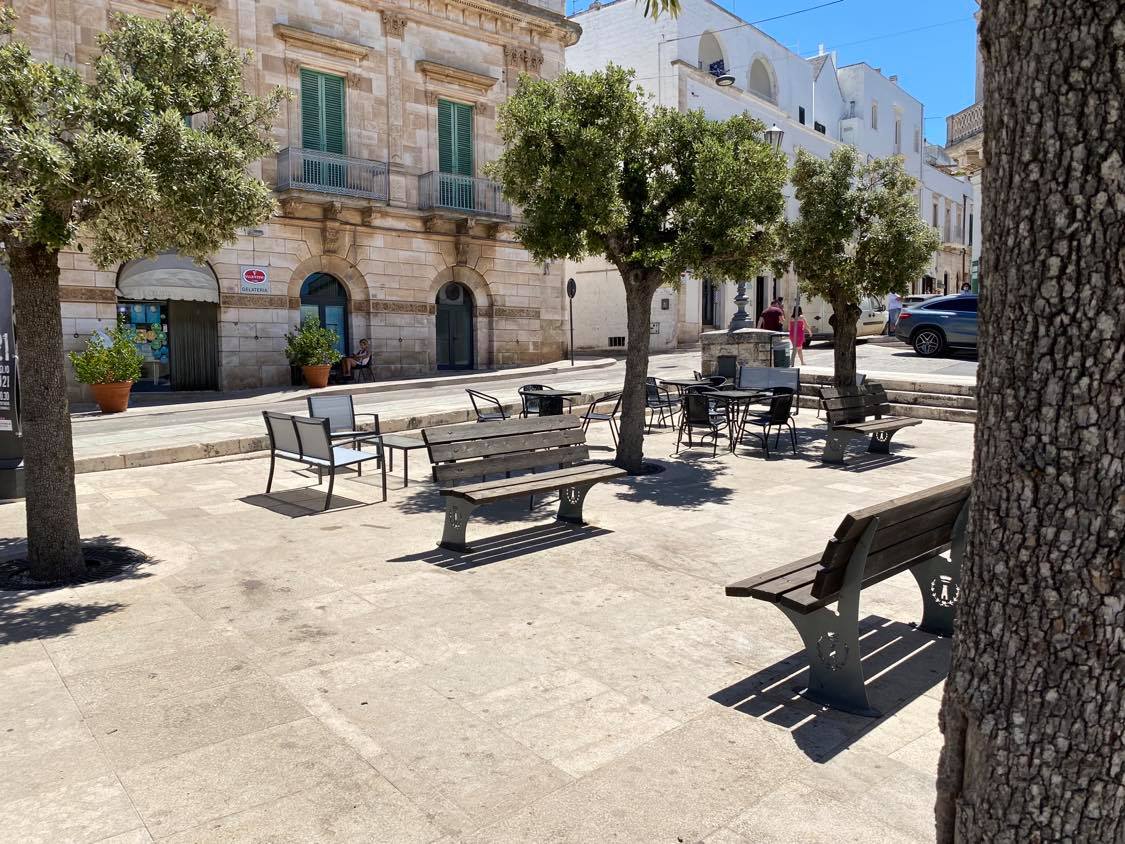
point(771, 317)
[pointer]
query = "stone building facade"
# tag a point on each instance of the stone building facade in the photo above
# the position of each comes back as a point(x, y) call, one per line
point(375, 231)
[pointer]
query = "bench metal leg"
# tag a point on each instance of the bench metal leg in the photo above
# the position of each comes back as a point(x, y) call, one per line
point(835, 446)
point(571, 499)
point(881, 442)
point(457, 512)
point(831, 640)
point(939, 581)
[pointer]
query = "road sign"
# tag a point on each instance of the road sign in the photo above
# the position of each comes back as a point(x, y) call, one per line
point(571, 288)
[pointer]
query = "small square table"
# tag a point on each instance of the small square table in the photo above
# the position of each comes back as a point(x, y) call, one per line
point(551, 401)
point(404, 444)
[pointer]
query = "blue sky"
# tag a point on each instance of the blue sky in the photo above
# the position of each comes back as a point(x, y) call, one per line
point(930, 45)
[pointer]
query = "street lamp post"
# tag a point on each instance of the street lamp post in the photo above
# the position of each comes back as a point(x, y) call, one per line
point(741, 318)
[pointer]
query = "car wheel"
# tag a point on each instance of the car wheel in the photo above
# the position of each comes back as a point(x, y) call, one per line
point(928, 342)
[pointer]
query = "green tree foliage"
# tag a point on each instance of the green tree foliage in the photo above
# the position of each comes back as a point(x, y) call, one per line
point(312, 344)
point(598, 171)
point(858, 234)
point(106, 363)
point(150, 153)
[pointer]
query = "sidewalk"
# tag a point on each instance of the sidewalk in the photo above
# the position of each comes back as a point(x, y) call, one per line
point(174, 433)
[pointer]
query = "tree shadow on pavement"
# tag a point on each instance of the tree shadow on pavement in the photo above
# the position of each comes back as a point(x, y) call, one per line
point(27, 613)
point(494, 549)
point(900, 664)
point(687, 482)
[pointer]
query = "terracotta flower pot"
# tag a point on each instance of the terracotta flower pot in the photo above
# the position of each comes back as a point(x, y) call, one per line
point(316, 376)
point(112, 397)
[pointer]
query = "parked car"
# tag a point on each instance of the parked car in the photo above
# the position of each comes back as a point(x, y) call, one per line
point(917, 299)
point(871, 323)
point(939, 324)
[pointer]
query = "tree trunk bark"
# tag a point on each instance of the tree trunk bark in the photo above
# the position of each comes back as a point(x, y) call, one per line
point(54, 544)
point(640, 286)
point(843, 321)
point(1034, 707)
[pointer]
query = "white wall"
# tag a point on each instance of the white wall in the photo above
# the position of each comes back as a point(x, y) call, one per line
point(599, 308)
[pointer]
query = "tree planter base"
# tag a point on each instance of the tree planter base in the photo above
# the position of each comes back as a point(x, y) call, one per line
point(316, 376)
point(113, 397)
point(103, 561)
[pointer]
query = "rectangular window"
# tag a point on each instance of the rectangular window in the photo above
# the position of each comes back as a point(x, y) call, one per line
point(322, 112)
point(801, 115)
point(820, 127)
point(455, 154)
point(616, 342)
point(898, 134)
point(970, 230)
point(917, 139)
point(874, 115)
point(935, 213)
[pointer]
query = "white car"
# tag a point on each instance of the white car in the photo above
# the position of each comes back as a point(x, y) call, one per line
point(871, 323)
point(917, 299)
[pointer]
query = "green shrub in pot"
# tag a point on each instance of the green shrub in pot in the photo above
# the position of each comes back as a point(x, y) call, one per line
point(312, 344)
point(111, 362)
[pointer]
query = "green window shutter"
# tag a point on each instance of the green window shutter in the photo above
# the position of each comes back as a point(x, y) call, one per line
point(322, 111)
point(455, 138)
point(445, 136)
point(334, 135)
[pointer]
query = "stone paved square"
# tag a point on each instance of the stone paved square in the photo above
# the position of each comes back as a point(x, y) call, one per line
point(279, 673)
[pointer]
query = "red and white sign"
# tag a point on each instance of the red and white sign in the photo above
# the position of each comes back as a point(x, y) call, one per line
point(255, 280)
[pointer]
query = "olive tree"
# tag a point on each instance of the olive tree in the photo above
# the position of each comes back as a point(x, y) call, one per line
point(150, 153)
point(858, 234)
point(598, 171)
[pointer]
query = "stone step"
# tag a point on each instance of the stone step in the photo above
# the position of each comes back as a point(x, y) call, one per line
point(904, 385)
point(932, 399)
point(913, 411)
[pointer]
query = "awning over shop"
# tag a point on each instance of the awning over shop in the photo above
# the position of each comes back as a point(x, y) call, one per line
point(168, 276)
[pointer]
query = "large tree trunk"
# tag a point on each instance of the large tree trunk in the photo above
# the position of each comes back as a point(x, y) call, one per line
point(1034, 705)
point(640, 286)
point(54, 546)
point(843, 322)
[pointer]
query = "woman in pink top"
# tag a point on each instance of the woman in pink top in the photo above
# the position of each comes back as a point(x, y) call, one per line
point(798, 331)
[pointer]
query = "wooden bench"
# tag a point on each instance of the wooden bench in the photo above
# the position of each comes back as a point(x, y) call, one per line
point(869, 546)
point(553, 447)
point(859, 413)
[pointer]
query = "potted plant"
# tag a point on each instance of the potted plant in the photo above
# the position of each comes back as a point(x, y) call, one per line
point(110, 364)
point(313, 348)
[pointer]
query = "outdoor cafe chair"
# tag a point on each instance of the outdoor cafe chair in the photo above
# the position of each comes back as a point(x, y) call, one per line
point(492, 410)
point(339, 410)
point(658, 401)
point(597, 412)
point(308, 441)
point(776, 417)
point(699, 413)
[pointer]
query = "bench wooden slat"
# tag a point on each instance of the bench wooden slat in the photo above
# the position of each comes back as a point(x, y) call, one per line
point(904, 508)
point(494, 446)
point(507, 428)
point(768, 584)
point(530, 484)
point(887, 423)
point(447, 472)
point(838, 552)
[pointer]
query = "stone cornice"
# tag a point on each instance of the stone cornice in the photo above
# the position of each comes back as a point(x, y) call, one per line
point(207, 5)
point(549, 24)
point(76, 293)
point(320, 43)
point(459, 77)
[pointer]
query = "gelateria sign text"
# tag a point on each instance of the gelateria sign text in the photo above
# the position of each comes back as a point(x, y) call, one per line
point(254, 280)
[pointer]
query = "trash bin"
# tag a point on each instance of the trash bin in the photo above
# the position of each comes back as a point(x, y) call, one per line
point(782, 352)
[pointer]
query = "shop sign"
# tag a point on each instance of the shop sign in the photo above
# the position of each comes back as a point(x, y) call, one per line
point(255, 280)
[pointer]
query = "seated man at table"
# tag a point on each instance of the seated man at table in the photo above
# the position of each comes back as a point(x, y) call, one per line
point(362, 357)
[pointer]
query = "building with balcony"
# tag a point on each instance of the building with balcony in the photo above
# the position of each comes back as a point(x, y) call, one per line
point(964, 144)
point(818, 104)
point(386, 227)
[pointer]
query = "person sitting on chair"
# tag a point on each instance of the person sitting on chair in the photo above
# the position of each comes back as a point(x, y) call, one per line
point(362, 357)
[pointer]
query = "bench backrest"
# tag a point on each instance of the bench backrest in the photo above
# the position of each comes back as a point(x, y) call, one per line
point(282, 432)
point(337, 409)
point(846, 406)
point(910, 528)
point(768, 377)
point(475, 449)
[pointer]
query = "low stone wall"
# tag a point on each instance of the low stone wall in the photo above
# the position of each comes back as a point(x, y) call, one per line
point(749, 347)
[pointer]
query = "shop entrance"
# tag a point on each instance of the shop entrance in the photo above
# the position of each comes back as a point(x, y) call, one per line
point(324, 297)
point(172, 304)
point(455, 327)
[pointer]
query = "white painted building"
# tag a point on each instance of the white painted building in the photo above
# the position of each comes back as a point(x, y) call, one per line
point(818, 105)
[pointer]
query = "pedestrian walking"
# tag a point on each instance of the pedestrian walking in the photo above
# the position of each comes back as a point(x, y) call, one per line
point(772, 318)
point(798, 331)
point(894, 308)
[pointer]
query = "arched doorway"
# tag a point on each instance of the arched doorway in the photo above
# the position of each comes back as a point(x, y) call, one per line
point(455, 327)
point(324, 297)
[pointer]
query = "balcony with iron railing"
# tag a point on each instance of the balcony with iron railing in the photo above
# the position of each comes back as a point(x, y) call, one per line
point(463, 195)
point(326, 172)
point(964, 124)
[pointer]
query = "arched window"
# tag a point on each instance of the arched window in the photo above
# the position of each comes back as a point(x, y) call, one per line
point(324, 297)
point(761, 80)
point(711, 55)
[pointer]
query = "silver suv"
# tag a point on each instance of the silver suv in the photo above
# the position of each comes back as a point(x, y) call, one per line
point(947, 322)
